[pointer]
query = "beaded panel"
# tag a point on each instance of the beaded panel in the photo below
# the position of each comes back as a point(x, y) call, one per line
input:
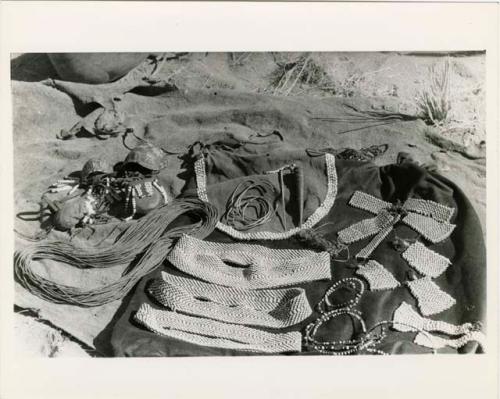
point(425, 260)
point(431, 229)
point(378, 277)
point(430, 298)
point(434, 210)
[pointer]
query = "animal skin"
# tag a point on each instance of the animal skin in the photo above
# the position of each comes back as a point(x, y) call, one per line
point(95, 67)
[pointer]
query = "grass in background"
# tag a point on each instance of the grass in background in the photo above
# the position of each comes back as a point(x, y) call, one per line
point(434, 99)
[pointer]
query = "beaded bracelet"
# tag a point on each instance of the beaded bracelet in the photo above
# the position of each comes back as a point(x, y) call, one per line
point(341, 347)
point(354, 283)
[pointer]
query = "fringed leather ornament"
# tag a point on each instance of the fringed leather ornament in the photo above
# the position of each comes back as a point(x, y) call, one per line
point(430, 298)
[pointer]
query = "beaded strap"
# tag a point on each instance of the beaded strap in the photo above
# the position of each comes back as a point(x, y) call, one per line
point(319, 213)
point(430, 298)
point(276, 308)
point(378, 277)
point(258, 266)
point(212, 333)
point(405, 316)
point(425, 260)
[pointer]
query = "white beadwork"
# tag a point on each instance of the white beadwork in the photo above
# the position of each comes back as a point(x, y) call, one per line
point(368, 202)
point(162, 191)
point(430, 298)
point(319, 213)
point(277, 308)
point(435, 210)
point(375, 242)
point(425, 260)
point(258, 266)
point(138, 190)
point(405, 317)
point(431, 229)
point(148, 187)
point(436, 342)
point(212, 333)
point(367, 227)
point(429, 218)
point(378, 277)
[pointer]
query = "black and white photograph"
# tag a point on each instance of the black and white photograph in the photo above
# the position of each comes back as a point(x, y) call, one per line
point(249, 200)
point(241, 203)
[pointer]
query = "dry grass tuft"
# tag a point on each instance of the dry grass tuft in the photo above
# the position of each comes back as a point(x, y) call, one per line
point(301, 72)
point(434, 99)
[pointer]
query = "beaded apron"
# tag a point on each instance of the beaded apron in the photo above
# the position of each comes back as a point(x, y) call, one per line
point(312, 220)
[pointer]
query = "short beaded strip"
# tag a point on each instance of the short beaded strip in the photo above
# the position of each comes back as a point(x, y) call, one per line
point(375, 242)
point(425, 260)
point(162, 191)
point(259, 266)
point(405, 316)
point(430, 298)
point(212, 333)
point(435, 210)
point(378, 277)
point(431, 229)
point(277, 308)
point(319, 213)
point(439, 342)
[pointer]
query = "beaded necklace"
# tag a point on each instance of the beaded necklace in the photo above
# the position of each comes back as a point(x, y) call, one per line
point(368, 338)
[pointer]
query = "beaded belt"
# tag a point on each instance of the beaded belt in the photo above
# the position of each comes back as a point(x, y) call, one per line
point(275, 308)
point(256, 266)
point(212, 333)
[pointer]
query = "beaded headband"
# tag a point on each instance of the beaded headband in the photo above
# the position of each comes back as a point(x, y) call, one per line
point(257, 266)
point(277, 308)
point(213, 333)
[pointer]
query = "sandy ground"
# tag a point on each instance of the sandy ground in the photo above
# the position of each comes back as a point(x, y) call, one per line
point(400, 77)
